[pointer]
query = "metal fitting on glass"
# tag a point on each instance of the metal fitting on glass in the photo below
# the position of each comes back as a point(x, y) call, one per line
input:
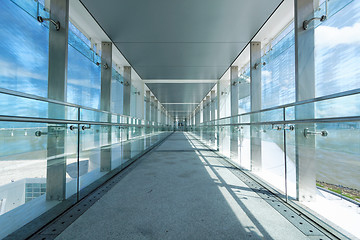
point(258, 64)
point(289, 127)
point(277, 127)
point(322, 18)
point(39, 133)
point(307, 22)
point(322, 133)
point(73, 127)
point(85, 127)
point(56, 23)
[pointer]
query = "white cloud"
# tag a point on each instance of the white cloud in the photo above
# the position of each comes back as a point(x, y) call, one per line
point(83, 82)
point(266, 73)
point(331, 36)
point(9, 70)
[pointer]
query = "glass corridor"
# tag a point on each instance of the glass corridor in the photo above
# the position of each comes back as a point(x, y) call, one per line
point(182, 190)
point(269, 143)
point(272, 142)
point(53, 154)
point(74, 151)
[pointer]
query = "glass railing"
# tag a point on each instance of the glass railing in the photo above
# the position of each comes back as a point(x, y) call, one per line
point(307, 152)
point(53, 152)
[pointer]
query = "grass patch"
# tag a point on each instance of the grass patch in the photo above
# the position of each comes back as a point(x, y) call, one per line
point(351, 193)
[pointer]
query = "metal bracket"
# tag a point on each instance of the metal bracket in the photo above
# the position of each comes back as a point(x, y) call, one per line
point(322, 18)
point(289, 127)
point(322, 133)
point(73, 127)
point(238, 128)
point(307, 22)
point(40, 133)
point(53, 130)
point(85, 127)
point(277, 127)
point(258, 64)
point(56, 23)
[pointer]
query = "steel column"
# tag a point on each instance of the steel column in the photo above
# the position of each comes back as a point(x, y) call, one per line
point(105, 104)
point(255, 99)
point(218, 115)
point(148, 112)
point(57, 84)
point(234, 98)
point(127, 91)
point(212, 116)
point(305, 89)
point(126, 111)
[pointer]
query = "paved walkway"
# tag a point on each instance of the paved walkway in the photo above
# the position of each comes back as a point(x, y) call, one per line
point(181, 191)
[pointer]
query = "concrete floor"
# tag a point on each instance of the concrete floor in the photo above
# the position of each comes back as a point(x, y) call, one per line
point(181, 191)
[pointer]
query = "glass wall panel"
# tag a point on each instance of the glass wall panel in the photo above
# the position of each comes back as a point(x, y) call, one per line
point(23, 170)
point(225, 99)
point(26, 107)
point(278, 70)
point(24, 48)
point(273, 156)
point(89, 155)
point(84, 73)
point(290, 160)
point(117, 91)
point(337, 172)
point(244, 143)
point(337, 47)
point(115, 147)
point(224, 138)
point(244, 90)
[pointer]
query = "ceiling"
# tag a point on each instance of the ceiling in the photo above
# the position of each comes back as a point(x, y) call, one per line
point(183, 39)
point(180, 99)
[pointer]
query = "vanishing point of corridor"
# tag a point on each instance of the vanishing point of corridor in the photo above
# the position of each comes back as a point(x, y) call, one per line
point(183, 190)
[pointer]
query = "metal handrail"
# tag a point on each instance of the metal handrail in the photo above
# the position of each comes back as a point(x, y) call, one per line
point(322, 120)
point(66, 121)
point(43, 99)
point(313, 100)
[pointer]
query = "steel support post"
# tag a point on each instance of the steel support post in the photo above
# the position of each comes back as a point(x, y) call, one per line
point(148, 112)
point(234, 98)
point(126, 111)
point(127, 91)
point(207, 114)
point(57, 83)
point(212, 116)
point(152, 101)
point(202, 115)
point(305, 89)
point(218, 115)
point(105, 104)
point(156, 112)
point(255, 100)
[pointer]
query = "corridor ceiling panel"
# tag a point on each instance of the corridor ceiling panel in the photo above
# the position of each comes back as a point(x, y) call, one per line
point(180, 40)
point(180, 92)
point(180, 99)
point(190, 39)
